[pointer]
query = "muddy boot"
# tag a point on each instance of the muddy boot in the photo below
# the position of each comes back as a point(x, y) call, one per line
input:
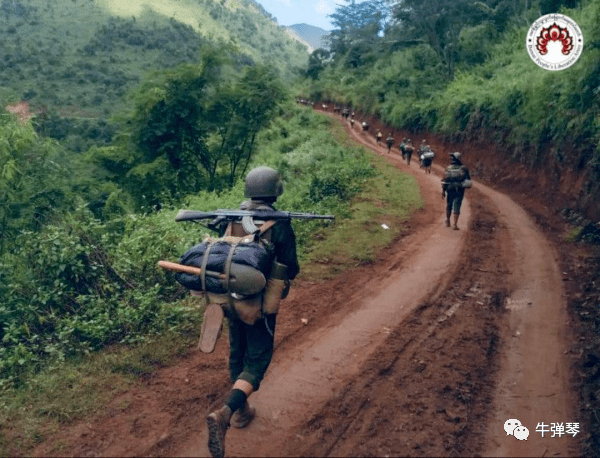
point(243, 416)
point(447, 223)
point(455, 227)
point(218, 423)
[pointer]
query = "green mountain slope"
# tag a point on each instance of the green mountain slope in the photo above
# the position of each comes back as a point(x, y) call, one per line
point(79, 57)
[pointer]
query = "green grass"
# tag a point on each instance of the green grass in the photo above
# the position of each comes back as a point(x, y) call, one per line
point(390, 198)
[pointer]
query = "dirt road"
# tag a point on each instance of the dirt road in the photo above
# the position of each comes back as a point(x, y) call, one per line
point(425, 353)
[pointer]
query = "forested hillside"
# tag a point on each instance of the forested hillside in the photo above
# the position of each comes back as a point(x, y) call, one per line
point(136, 107)
point(74, 61)
point(460, 69)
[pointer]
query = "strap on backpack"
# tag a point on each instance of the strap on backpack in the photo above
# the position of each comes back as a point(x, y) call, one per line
point(227, 270)
point(203, 273)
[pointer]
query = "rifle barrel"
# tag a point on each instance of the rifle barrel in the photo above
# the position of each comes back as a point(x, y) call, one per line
point(190, 215)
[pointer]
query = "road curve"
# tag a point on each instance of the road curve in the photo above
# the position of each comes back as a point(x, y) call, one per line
point(532, 384)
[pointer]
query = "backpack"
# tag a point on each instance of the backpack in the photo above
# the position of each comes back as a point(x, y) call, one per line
point(236, 246)
point(455, 175)
point(240, 247)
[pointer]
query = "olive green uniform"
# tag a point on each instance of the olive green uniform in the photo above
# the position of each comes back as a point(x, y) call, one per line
point(455, 192)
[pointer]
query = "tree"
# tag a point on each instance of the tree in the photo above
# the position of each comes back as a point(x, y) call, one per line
point(316, 62)
point(193, 128)
point(31, 181)
point(439, 22)
point(357, 25)
point(256, 98)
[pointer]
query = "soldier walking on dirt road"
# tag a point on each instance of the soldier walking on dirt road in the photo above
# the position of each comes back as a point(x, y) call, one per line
point(456, 180)
point(251, 346)
point(408, 151)
point(390, 142)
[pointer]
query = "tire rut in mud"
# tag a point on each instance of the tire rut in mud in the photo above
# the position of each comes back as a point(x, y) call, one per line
point(426, 390)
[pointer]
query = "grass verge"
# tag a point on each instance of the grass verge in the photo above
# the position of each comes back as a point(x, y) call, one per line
point(390, 197)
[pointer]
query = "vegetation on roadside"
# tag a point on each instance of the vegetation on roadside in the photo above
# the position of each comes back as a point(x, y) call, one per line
point(82, 297)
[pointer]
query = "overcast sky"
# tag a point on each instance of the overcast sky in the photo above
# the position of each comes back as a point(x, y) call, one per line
point(290, 12)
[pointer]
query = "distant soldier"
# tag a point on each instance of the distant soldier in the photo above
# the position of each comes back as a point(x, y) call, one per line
point(390, 142)
point(378, 137)
point(456, 180)
point(352, 114)
point(402, 148)
point(336, 108)
point(426, 156)
point(365, 126)
point(325, 107)
point(409, 149)
point(352, 122)
point(345, 113)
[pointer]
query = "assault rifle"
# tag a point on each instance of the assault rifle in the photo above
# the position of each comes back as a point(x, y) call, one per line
point(245, 216)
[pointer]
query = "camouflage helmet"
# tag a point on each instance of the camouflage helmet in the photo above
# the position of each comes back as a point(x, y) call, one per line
point(263, 182)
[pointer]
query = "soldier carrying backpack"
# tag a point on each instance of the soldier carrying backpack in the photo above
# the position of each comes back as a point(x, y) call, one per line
point(402, 148)
point(390, 142)
point(408, 151)
point(242, 275)
point(251, 346)
point(456, 180)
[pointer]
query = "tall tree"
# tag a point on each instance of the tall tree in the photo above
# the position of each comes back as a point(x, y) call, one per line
point(193, 128)
point(439, 22)
point(31, 179)
point(357, 25)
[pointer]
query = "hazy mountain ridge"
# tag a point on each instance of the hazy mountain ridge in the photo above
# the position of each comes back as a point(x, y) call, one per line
point(314, 36)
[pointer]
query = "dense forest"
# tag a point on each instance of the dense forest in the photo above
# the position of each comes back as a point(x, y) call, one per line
point(131, 115)
point(459, 69)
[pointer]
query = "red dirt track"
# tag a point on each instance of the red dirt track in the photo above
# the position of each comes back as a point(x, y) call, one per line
point(426, 352)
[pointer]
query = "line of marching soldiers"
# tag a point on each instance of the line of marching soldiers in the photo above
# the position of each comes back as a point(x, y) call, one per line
point(451, 188)
point(425, 153)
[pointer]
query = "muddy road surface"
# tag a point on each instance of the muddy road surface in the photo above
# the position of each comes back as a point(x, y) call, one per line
point(426, 352)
